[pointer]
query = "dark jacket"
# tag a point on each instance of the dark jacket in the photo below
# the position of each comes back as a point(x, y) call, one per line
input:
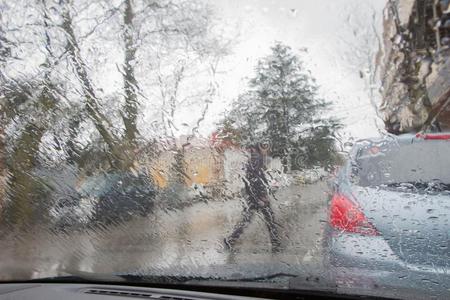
point(256, 184)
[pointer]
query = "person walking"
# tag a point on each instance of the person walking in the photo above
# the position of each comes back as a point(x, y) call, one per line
point(257, 192)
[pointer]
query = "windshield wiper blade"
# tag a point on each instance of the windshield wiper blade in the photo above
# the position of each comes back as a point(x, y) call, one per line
point(80, 277)
point(261, 278)
point(106, 278)
point(88, 277)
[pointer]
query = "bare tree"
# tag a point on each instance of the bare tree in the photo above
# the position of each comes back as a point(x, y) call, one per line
point(51, 91)
point(102, 123)
point(187, 34)
point(52, 83)
point(31, 103)
point(130, 83)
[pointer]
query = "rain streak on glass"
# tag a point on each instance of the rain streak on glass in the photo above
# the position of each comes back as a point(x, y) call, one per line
point(278, 144)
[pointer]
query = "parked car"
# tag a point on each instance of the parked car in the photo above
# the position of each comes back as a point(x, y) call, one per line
point(120, 196)
point(103, 198)
point(389, 216)
point(67, 208)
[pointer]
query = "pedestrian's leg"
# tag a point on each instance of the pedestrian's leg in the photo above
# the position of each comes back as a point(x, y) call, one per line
point(247, 215)
point(269, 219)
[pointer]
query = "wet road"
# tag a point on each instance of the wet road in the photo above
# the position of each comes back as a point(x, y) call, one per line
point(187, 241)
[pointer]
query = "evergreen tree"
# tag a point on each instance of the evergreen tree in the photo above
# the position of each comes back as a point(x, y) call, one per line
point(282, 108)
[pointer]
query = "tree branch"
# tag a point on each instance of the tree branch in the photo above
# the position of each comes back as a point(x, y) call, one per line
point(130, 83)
point(100, 121)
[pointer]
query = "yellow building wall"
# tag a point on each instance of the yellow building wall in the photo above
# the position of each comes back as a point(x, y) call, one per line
point(204, 166)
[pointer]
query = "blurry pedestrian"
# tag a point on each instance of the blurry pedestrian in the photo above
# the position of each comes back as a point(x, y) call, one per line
point(257, 192)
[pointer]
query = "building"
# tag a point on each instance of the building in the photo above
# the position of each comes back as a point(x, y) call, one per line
point(213, 165)
point(193, 161)
point(415, 65)
point(2, 169)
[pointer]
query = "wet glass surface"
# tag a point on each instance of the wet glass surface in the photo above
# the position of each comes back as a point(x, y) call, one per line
point(282, 144)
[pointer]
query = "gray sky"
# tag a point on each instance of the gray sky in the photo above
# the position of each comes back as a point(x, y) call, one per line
point(339, 37)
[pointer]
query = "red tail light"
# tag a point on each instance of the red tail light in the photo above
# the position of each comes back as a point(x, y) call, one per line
point(346, 216)
point(433, 136)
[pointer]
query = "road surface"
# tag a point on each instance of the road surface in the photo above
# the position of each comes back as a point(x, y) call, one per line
point(187, 241)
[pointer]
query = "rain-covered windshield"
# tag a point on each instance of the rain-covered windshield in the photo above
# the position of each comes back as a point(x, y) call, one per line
point(208, 141)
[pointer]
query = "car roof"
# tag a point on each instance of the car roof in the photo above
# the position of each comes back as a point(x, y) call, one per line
point(390, 139)
point(404, 138)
